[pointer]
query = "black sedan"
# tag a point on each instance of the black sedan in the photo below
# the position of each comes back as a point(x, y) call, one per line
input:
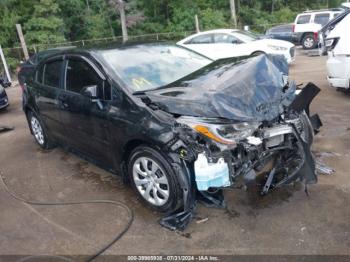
point(172, 122)
point(281, 32)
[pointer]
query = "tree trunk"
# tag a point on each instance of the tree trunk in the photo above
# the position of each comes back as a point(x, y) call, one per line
point(233, 12)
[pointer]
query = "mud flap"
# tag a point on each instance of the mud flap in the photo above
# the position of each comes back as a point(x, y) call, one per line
point(181, 218)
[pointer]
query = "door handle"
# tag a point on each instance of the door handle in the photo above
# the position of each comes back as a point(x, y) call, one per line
point(62, 101)
point(64, 104)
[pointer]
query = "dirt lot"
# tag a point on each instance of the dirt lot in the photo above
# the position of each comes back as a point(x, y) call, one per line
point(285, 222)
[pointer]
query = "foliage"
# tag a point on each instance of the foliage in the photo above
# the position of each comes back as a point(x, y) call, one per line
point(49, 21)
point(45, 26)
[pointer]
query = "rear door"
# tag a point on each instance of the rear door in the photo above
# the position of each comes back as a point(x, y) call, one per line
point(47, 86)
point(86, 121)
point(283, 32)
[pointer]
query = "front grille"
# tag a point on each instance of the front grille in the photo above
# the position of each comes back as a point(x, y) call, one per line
point(292, 51)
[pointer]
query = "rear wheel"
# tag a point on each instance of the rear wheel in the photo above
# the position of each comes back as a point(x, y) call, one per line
point(39, 132)
point(309, 42)
point(154, 180)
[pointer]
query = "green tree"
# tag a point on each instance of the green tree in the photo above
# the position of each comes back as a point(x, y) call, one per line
point(45, 26)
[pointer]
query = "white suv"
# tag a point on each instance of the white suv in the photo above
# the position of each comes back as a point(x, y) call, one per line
point(307, 25)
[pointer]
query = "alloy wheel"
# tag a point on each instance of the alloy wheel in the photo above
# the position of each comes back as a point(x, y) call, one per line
point(151, 181)
point(309, 42)
point(37, 130)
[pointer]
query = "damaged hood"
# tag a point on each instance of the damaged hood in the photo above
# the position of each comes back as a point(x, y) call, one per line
point(240, 89)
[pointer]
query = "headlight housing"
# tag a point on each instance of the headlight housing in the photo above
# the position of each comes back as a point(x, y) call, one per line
point(277, 48)
point(223, 133)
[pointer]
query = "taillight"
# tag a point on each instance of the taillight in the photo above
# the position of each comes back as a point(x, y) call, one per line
point(293, 28)
point(331, 43)
point(316, 36)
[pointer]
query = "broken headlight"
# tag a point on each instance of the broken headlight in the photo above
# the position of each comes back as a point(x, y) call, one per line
point(223, 133)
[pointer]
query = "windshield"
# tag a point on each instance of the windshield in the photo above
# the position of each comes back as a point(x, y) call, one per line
point(245, 36)
point(146, 67)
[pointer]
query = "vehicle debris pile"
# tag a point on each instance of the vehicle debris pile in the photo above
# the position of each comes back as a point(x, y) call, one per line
point(240, 118)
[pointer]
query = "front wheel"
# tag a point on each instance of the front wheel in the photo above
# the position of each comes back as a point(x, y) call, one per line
point(154, 180)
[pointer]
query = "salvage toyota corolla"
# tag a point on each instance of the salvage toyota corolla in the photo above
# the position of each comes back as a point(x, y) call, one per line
point(176, 125)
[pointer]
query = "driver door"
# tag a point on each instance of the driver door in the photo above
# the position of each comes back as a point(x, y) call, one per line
point(86, 120)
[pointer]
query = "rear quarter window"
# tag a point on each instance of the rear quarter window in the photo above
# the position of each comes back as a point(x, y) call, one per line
point(201, 39)
point(52, 72)
point(303, 19)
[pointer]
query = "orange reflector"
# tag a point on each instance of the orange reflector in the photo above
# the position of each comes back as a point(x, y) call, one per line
point(205, 131)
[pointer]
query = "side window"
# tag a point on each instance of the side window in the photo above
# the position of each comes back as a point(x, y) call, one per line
point(52, 72)
point(321, 19)
point(202, 39)
point(225, 39)
point(80, 74)
point(303, 19)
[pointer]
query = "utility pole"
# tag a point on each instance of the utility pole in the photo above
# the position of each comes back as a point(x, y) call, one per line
point(233, 12)
point(23, 42)
point(121, 7)
point(5, 65)
point(197, 23)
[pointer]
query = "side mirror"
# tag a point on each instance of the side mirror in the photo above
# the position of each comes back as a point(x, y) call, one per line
point(90, 92)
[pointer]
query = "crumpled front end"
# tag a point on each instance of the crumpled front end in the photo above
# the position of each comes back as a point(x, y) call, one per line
point(238, 122)
point(278, 149)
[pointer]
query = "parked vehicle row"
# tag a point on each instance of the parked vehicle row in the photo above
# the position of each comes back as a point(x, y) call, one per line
point(224, 43)
point(306, 29)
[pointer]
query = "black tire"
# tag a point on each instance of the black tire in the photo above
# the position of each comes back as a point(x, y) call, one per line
point(309, 42)
point(45, 142)
point(174, 199)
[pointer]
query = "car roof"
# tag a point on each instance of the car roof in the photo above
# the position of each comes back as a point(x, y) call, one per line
point(310, 12)
point(89, 49)
point(223, 30)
